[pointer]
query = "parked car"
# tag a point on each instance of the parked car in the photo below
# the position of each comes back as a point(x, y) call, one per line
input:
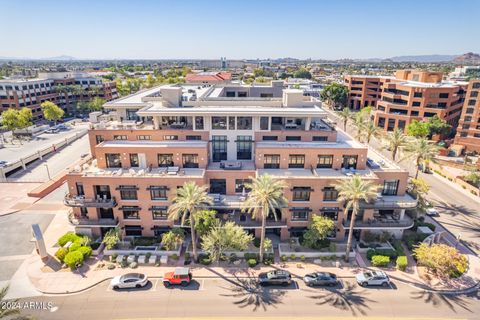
point(432, 212)
point(180, 276)
point(373, 278)
point(320, 279)
point(275, 277)
point(52, 130)
point(3, 163)
point(129, 280)
point(62, 127)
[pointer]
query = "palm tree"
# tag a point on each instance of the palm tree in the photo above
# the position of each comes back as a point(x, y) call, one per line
point(190, 197)
point(397, 139)
point(7, 312)
point(345, 115)
point(265, 196)
point(359, 123)
point(421, 150)
point(352, 191)
point(370, 130)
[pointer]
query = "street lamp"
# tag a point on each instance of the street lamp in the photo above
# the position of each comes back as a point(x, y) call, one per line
point(48, 171)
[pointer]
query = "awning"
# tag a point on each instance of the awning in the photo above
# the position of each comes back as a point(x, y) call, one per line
point(158, 208)
point(329, 209)
point(160, 228)
point(133, 228)
point(302, 189)
point(300, 209)
point(126, 188)
point(130, 208)
point(158, 188)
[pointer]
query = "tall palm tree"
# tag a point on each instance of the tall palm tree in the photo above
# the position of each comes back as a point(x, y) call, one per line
point(359, 122)
point(421, 150)
point(7, 312)
point(190, 197)
point(370, 130)
point(396, 139)
point(345, 115)
point(265, 196)
point(352, 191)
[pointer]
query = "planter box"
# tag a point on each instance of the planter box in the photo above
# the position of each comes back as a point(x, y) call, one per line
point(99, 250)
point(284, 249)
point(384, 246)
point(140, 250)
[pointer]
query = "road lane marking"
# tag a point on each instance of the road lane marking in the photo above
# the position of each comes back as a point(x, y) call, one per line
point(154, 286)
point(202, 285)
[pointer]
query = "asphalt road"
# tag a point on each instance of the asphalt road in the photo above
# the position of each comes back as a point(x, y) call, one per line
point(227, 298)
point(458, 212)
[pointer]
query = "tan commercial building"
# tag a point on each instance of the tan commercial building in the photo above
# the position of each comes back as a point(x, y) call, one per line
point(407, 96)
point(468, 131)
point(222, 136)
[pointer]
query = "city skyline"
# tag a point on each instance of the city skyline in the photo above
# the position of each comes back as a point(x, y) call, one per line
point(301, 30)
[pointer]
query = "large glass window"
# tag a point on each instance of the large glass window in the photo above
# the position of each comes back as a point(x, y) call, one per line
point(271, 161)
point(199, 123)
point(113, 160)
point(119, 137)
point(219, 148)
point(301, 194)
point(158, 192)
point(165, 159)
point(128, 192)
point(218, 186)
point(296, 161)
point(170, 137)
point(131, 212)
point(390, 187)
point(263, 123)
point(99, 139)
point(159, 213)
point(325, 161)
point(350, 162)
point(219, 123)
point(240, 185)
point(193, 137)
point(331, 213)
point(299, 214)
point(244, 123)
point(133, 231)
point(134, 162)
point(190, 160)
point(132, 114)
point(330, 194)
point(244, 147)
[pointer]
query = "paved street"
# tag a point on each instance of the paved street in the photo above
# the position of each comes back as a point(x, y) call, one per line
point(224, 298)
point(459, 211)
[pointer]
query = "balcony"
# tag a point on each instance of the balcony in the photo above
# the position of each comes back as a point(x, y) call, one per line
point(232, 165)
point(81, 201)
point(380, 223)
point(86, 222)
point(391, 202)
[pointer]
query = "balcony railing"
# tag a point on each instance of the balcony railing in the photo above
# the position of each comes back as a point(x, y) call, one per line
point(86, 222)
point(391, 202)
point(80, 201)
point(380, 223)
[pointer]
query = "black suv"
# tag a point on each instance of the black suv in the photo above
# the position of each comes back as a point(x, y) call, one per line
point(275, 277)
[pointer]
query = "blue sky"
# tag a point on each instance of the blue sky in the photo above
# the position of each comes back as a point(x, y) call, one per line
point(238, 29)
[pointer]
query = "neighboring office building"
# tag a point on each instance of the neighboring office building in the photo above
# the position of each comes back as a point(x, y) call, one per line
point(31, 93)
point(222, 138)
point(407, 96)
point(209, 77)
point(462, 73)
point(468, 130)
point(310, 88)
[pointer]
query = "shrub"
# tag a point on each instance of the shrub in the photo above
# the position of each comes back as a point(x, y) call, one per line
point(380, 261)
point(302, 258)
point(123, 264)
point(144, 241)
point(256, 242)
point(252, 263)
point(441, 259)
point(174, 256)
point(68, 237)
point(61, 253)
point(387, 252)
point(369, 237)
point(148, 255)
point(95, 245)
point(114, 256)
point(249, 256)
point(133, 265)
point(86, 251)
point(413, 239)
point(284, 258)
point(332, 247)
point(73, 258)
point(402, 263)
point(111, 266)
point(205, 260)
point(370, 253)
point(397, 244)
point(74, 247)
point(233, 257)
point(293, 257)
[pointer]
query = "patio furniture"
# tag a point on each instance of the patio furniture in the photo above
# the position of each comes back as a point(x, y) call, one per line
point(231, 165)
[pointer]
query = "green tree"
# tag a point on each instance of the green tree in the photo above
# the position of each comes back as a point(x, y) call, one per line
point(335, 94)
point(221, 238)
point(395, 140)
point(418, 129)
point(204, 221)
point(318, 230)
point(51, 111)
point(96, 104)
point(473, 177)
point(14, 119)
point(173, 238)
point(302, 73)
point(438, 126)
point(266, 196)
point(370, 130)
point(352, 191)
point(422, 151)
point(8, 312)
point(111, 238)
point(345, 115)
point(359, 124)
point(442, 259)
point(189, 199)
point(419, 189)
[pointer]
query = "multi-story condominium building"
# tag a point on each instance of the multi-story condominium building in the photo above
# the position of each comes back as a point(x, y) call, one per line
point(30, 93)
point(222, 138)
point(407, 96)
point(468, 130)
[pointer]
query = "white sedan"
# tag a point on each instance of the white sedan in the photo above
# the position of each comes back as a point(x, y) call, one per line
point(129, 280)
point(432, 212)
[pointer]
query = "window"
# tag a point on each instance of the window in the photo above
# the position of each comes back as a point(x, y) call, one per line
point(218, 186)
point(467, 118)
point(193, 137)
point(158, 192)
point(390, 187)
point(144, 137)
point(271, 161)
point(471, 102)
point(165, 160)
point(244, 147)
point(119, 137)
point(240, 185)
point(231, 123)
point(131, 212)
point(416, 103)
point(331, 213)
point(301, 194)
point(269, 138)
point(414, 113)
point(443, 95)
point(263, 123)
point(159, 213)
point(330, 194)
point(244, 123)
point(190, 160)
point(113, 160)
point(133, 231)
point(299, 214)
point(320, 138)
point(134, 160)
point(470, 110)
point(219, 148)
point(474, 94)
point(381, 122)
point(476, 85)
point(465, 126)
point(391, 124)
point(170, 137)
point(99, 139)
point(417, 94)
point(242, 94)
point(219, 123)
point(128, 192)
point(230, 94)
point(293, 138)
point(199, 123)
point(296, 161)
point(325, 161)
point(401, 124)
point(349, 162)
